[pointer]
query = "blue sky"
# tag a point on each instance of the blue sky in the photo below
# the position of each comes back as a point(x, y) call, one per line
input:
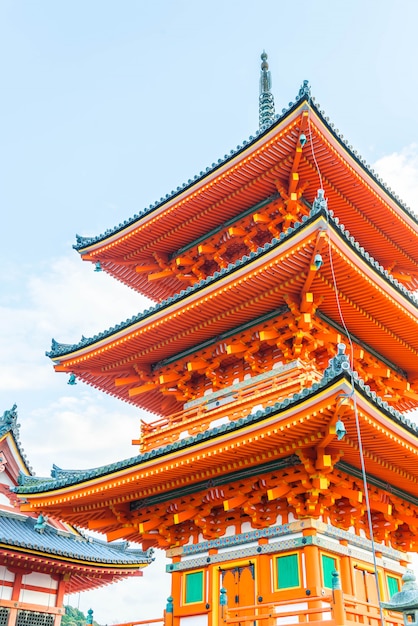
point(106, 107)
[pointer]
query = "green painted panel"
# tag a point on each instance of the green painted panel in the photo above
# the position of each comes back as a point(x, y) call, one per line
point(287, 571)
point(328, 566)
point(393, 585)
point(194, 587)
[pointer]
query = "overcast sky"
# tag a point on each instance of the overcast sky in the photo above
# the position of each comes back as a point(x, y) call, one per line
point(108, 105)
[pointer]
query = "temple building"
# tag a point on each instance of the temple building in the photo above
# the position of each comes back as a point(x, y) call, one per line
point(280, 362)
point(42, 560)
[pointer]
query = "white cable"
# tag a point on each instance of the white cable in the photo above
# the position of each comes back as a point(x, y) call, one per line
point(357, 421)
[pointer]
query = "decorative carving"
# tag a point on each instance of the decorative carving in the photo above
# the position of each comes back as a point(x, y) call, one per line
point(3, 461)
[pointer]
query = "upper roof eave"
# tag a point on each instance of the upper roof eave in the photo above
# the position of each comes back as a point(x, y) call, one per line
point(87, 245)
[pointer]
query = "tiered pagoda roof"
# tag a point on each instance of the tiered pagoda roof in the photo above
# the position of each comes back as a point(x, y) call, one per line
point(261, 267)
point(239, 242)
point(121, 360)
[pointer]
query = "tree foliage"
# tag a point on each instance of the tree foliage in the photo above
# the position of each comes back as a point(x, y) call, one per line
point(74, 617)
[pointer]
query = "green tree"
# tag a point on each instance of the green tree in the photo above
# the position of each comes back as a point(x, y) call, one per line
point(74, 617)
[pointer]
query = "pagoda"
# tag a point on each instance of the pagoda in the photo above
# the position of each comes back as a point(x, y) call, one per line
point(280, 470)
point(43, 560)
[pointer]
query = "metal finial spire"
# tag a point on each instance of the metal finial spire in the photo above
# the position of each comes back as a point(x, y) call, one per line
point(266, 100)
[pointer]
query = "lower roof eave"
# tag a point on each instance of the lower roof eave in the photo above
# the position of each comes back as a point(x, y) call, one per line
point(264, 435)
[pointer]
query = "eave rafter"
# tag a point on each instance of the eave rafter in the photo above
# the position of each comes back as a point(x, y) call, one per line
point(310, 426)
point(241, 236)
point(349, 300)
point(298, 334)
point(224, 187)
point(59, 564)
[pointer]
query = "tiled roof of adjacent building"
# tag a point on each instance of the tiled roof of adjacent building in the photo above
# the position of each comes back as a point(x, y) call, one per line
point(19, 531)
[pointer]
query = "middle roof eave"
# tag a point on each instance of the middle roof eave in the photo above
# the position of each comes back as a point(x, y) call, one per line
point(251, 288)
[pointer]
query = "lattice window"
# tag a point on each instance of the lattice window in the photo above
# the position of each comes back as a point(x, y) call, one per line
point(33, 618)
point(4, 616)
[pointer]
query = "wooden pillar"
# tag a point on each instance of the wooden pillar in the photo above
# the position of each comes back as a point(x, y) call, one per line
point(346, 573)
point(17, 586)
point(62, 588)
point(313, 578)
point(338, 610)
point(59, 598)
point(57, 619)
point(12, 617)
point(265, 585)
point(176, 595)
point(313, 570)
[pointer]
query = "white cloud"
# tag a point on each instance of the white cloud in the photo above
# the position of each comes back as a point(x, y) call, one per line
point(79, 429)
point(399, 170)
point(64, 300)
point(75, 427)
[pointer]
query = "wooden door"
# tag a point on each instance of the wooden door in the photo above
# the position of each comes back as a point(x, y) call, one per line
point(366, 593)
point(239, 583)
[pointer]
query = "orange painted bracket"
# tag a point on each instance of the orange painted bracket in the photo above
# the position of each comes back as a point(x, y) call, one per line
point(159, 275)
point(236, 348)
point(119, 382)
point(136, 391)
point(206, 248)
point(146, 268)
point(266, 335)
point(120, 533)
point(261, 218)
point(95, 524)
point(197, 364)
point(183, 516)
point(184, 260)
point(232, 503)
point(169, 377)
point(278, 492)
point(235, 231)
point(152, 524)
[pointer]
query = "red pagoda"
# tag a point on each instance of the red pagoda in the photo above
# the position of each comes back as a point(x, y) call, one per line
point(280, 362)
